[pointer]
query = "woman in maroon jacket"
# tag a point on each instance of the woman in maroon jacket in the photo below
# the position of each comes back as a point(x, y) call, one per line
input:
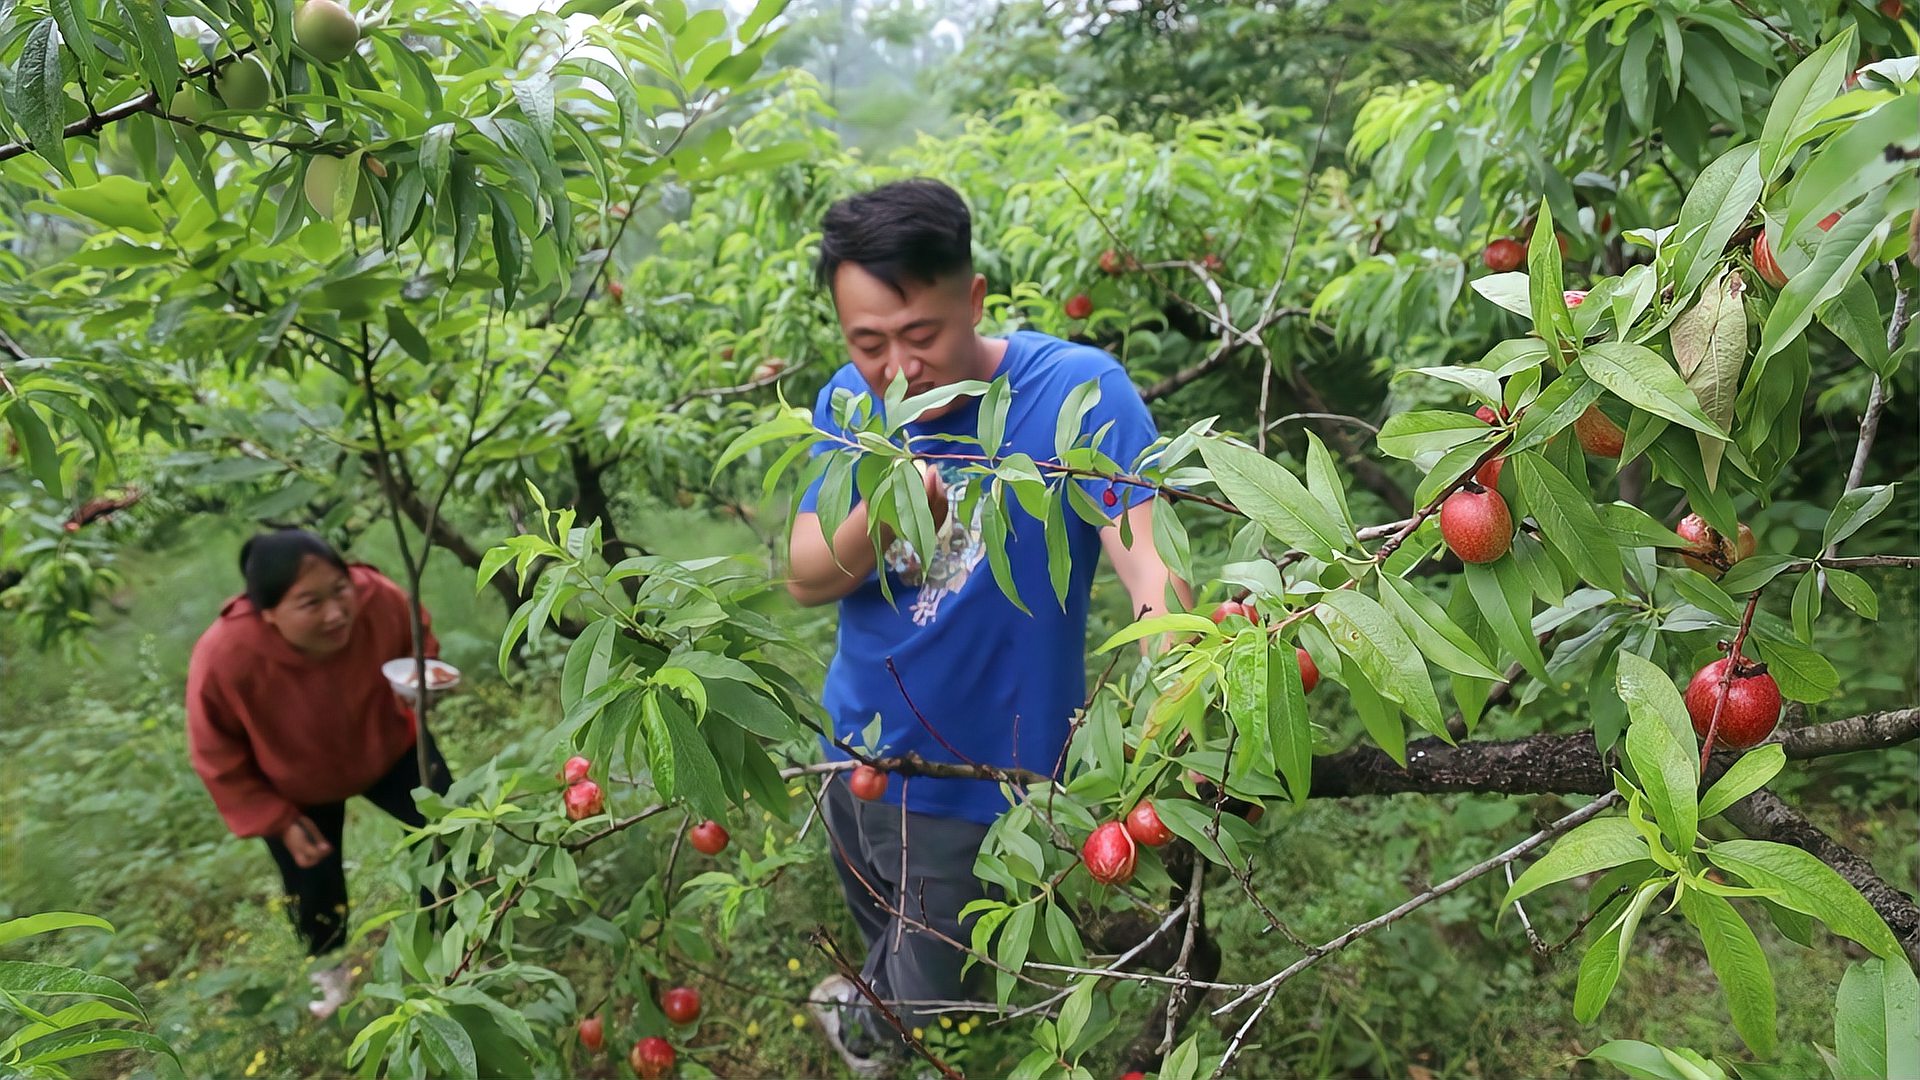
point(288, 715)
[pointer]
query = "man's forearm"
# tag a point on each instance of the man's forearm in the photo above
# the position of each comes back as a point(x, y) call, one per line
point(823, 574)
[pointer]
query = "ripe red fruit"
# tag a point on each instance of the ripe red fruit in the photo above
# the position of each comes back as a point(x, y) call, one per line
point(1109, 854)
point(709, 837)
point(575, 770)
point(1704, 539)
point(1751, 711)
point(1830, 221)
point(593, 1033)
point(1136, 1075)
point(867, 782)
point(584, 800)
point(1765, 264)
point(1598, 435)
point(1145, 826)
point(1110, 497)
point(1488, 475)
point(1892, 9)
point(768, 369)
point(1476, 525)
point(1309, 671)
point(681, 1004)
point(651, 1057)
point(1230, 608)
point(616, 290)
point(1080, 306)
point(1574, 297)
point(1213, 263)
point(1110, 262)
point(1503, 255)
point(1487, 416)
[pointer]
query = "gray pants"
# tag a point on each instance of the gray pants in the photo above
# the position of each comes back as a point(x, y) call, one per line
point(905, 963)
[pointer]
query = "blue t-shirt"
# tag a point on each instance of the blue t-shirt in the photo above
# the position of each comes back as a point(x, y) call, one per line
point(998, 684)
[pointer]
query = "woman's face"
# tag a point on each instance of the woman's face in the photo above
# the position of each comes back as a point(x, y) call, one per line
point(316, 615)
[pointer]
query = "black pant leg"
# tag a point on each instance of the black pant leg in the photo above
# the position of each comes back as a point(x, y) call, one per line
point(393, 793)
point(317, 894)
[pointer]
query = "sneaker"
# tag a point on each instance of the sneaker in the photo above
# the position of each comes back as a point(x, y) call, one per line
point(335, 985)
point(833, 1003)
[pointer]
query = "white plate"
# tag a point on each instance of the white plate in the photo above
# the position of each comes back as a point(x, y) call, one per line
point(441, 676)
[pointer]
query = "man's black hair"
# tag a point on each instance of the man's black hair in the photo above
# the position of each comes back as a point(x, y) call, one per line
point(271, 561)
point(916, 231)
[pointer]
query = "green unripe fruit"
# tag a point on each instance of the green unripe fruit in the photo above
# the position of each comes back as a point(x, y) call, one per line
point(326, 30)
point(323, 183)
point(244, 84)
point(190, 103)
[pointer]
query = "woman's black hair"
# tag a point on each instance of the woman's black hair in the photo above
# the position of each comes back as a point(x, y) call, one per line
point(271, 563)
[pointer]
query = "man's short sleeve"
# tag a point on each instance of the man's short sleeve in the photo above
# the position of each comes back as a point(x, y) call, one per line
point(1132, 431)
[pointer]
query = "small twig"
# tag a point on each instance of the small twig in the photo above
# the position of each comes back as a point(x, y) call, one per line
point(1746, 9)
point(825, 943)
point(1526, 924)
point(1585, 813)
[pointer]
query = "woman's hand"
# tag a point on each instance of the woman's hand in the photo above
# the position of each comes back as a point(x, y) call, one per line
point(305, 843)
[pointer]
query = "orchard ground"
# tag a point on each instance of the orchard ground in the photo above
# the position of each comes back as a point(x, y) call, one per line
point(105, 815)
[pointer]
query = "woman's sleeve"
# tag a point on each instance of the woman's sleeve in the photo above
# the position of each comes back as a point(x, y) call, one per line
point(223, 756)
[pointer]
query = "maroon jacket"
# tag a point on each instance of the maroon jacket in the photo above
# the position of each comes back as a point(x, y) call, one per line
point(272, 729)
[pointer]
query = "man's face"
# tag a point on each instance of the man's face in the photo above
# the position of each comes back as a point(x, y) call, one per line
point(926, 336)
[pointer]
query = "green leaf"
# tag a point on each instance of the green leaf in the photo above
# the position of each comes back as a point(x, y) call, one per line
point(1806, 606)
point(25, 978)
point(1876, 1023)
point(1555, 410)
point(1855, 318)
point(1545, 293)
point(1568, 520)
point(1854, 592)
point(1739, 965)
point(1596, 845)
point(1715, 208)
point(1802, 882)
point(506, 246)
point(1439, 637)
point(695, 772)
point(1323, 480)
point(1363, 630)
point(1803, 673)
point(1381, 720)
point(1854, 510)
point(73, 1044)
point(1505, 600)
point(1600, 967)
point(1644, 1061)
point(1848, 165)
point(993, 417)
point(1660, 744)
point(154, 47)
point(1642, 378)
point(40, 92)
point(1247, 692)
point(1753, 573)
point(1835, 264)
point(448, 1044)
point(1272, 496)
point(1751, 773)
point(1413, 436)
point(1287, 721)
point(1073, 413)
point(46, 922)
point(1811, 84)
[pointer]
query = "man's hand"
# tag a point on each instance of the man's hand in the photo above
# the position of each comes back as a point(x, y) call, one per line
point(936, 490)
point(305, 843)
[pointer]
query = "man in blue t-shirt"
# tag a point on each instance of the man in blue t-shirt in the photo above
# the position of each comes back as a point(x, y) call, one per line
point(992, 684)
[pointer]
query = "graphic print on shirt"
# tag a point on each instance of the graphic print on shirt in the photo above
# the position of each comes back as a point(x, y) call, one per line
point(957, 550)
